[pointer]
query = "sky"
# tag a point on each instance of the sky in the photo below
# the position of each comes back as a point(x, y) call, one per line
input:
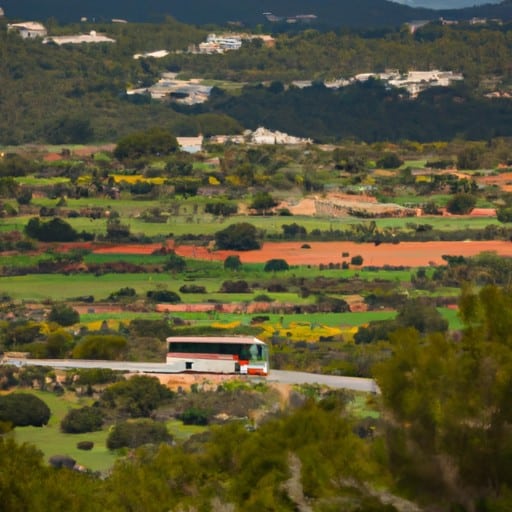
point(446, 4)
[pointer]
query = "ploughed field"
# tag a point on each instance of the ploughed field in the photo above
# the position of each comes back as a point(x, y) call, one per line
point(410, 254)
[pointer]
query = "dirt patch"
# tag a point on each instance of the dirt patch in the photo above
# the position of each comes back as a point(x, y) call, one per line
point(409, 254)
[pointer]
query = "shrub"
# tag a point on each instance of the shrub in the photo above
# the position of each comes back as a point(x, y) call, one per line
point(137, 396)
point(232, 262)
point(163, 296)
point(85, 445)
point(192, 288)
point(85, 419)
point(235, 287)
point(24, 409)
point(461, 204)
point(238, 237)
point(100, 346)
point(64, 315)
point(131, 434)
point(356, 260)
point(194, 416)
point(276, 265)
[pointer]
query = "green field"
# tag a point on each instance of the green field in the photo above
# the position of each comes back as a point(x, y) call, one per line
point(51, 441)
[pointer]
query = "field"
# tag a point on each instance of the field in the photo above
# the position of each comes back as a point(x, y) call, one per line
point(51, 441)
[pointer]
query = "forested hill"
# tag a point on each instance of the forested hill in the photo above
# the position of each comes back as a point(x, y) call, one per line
point(363, 13)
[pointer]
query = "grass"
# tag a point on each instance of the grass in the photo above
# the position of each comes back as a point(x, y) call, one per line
point(51, 441)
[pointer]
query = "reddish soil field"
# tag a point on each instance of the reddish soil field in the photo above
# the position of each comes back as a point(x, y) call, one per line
point(406, 253)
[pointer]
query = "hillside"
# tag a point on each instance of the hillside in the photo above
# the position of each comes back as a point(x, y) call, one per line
point(342, 13)
point(365, 13)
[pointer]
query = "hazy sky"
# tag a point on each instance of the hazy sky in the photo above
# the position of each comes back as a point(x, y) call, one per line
point(446, 4)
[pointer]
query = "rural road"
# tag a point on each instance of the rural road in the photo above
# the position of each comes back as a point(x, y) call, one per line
point(278, 376)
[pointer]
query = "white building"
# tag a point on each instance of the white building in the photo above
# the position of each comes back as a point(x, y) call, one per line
point(92, 37)
point(28, 29)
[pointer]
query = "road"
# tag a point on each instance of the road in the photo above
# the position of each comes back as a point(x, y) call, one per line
point(278, 376)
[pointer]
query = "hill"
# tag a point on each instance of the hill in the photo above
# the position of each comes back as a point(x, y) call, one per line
point(364, 13)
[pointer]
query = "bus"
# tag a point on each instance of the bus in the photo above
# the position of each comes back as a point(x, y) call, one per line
point(242, 355)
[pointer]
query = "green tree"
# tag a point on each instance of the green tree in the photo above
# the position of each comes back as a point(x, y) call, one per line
point(100, 346)
point(64, 315)
point(58, 343)
point(239, 237)
point(153, 142)
point(85, 419)
point(23, 409)
point(461, 204)
point(276, 265)
point(134, 433)
point(449, 403)
point(232, 262)
point(262, 202)
point(137, 396)
point(54, 230)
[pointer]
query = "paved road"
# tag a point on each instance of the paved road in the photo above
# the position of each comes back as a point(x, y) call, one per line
point(279, 376)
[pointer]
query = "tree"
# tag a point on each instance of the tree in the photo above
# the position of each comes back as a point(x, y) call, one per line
point(54, 230)
point(461, 204)
point(175, 263)
point(238, 237)
point(167, 296)
point(469, 158)
point(85, 419)
point(137, 396)
point(100, 346)
point(263, 202)
point(64, 315)
point(232, 262)
point(23, 409)
point(449, 403)
point(276, 265)
point(153, 142)
point(390, 161)
point(422, 316)
point(70, 130)
point(58, 343)
point(131, 434)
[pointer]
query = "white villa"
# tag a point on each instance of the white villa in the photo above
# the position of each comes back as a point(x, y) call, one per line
point(28, 29)
point(91, 37)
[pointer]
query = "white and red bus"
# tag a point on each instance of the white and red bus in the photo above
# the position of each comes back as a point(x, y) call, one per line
point(218, 354)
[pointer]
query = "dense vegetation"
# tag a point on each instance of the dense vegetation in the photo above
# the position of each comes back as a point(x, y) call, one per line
point(84, 98)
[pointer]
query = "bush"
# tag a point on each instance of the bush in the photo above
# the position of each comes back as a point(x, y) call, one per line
point(100, 346)
point(238, 237)
point(163, 296)
point(235, 287)
point(85, 445)
point(232, 262)
point(131, 434)
point(356, 260)
point(24, 409)
point(64, 315)
point(192, 288)
point(461, 204)
point(137, 396)
point(276, 265)
point(194, 416)
point(85, 419)
point(55, 230)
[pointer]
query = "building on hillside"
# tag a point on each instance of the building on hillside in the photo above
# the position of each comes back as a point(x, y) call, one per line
point(158, 54)
point(28, 29)
point(91, 37)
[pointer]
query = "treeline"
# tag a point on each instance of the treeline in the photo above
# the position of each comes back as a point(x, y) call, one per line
point(85, 100)
point(366, 111)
